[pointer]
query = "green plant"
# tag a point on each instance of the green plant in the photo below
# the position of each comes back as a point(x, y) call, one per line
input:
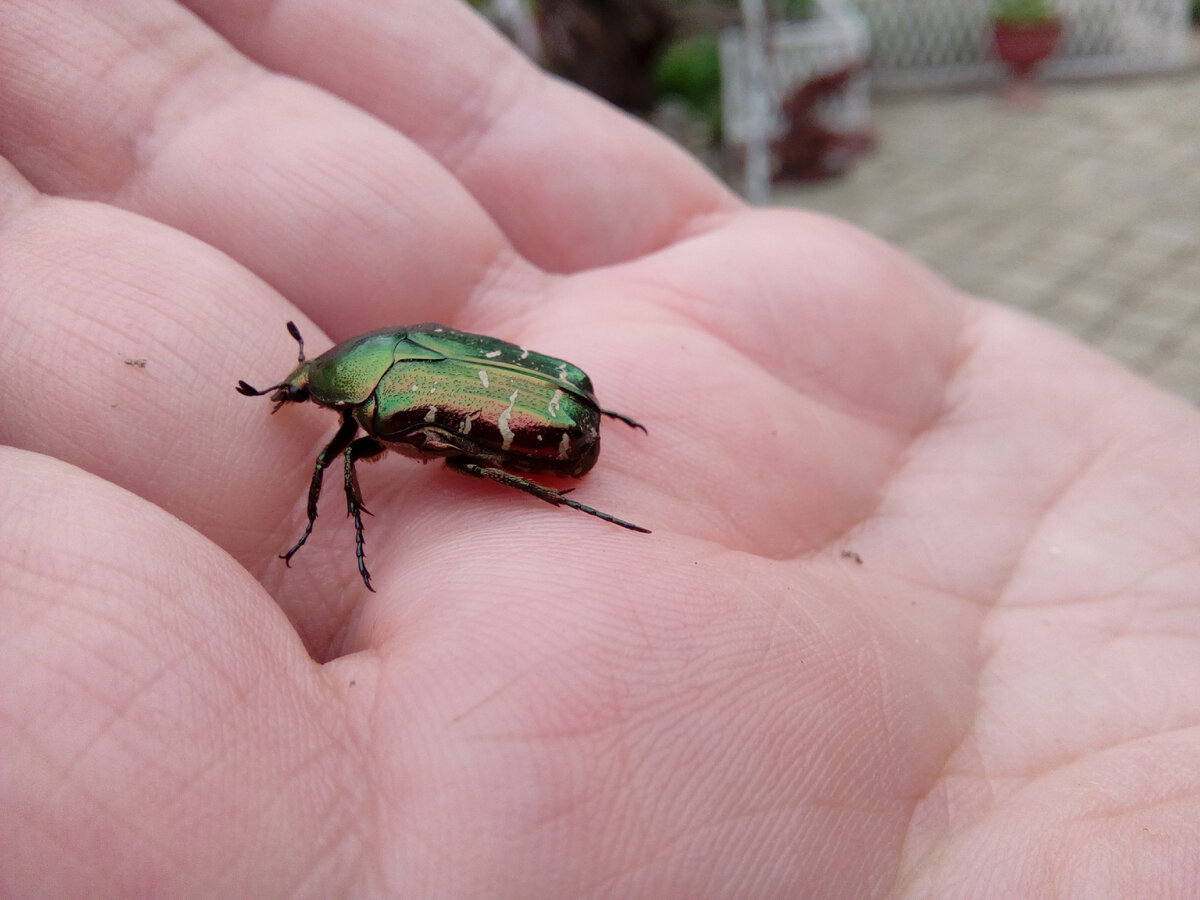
point(797, 9)
point(690, 69)
point(1023, 12)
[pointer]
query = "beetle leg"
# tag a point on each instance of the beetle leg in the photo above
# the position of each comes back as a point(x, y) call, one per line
point(341, 440)
point(469, 467)
point(363, 448)
point(628, 421)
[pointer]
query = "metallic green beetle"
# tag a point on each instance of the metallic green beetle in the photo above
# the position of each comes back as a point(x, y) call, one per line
point(490, 408)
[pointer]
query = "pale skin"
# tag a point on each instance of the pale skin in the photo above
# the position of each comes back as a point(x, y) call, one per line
point(999, 699)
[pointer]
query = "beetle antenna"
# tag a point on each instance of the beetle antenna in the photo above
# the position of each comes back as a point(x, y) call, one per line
point(249, 391)
point(295, 332)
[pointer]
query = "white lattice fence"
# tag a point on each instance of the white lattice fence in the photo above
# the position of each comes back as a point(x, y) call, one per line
point(917, 43)
point(798, 51)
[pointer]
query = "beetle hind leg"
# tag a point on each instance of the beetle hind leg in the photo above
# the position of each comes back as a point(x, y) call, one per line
point(557, 498)
point(632, 423)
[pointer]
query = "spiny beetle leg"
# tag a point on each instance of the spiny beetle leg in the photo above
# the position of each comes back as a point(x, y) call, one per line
point(628, 421)
point(335, 448)
point(468, 467)
point(363, 448)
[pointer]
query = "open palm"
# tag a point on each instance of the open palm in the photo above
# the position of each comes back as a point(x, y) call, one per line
point(918, 615)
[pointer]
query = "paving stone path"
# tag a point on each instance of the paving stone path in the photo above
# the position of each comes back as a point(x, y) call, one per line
point(1085, 211)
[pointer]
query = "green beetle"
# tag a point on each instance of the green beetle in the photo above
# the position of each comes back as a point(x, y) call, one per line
point(490, 408)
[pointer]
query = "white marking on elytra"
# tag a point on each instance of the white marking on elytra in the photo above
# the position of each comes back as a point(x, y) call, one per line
point(562, 371)
point(492, 354)
point(524, 354)
point(564, 446)
point(553, 406)
point(414, 387)
point(506, 433)
point(465, 427)
point(431, 416)
point(483, 377)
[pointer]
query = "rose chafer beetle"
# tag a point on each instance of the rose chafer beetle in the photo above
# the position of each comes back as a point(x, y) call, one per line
point(489, 408)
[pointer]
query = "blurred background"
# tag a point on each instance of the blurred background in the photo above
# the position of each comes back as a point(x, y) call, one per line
point(1042, 153)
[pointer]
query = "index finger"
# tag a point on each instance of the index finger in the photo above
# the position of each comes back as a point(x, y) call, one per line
point(572, 182)
point(146, 108)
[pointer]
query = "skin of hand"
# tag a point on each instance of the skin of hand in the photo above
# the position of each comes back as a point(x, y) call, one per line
point(919, 614)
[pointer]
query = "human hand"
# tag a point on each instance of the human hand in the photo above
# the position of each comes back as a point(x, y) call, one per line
point(994, 701)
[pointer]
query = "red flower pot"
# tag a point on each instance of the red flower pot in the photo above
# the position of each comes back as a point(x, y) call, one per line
point(1021, 47)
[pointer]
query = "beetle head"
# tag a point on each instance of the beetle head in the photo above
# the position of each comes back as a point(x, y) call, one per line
point(293, 389)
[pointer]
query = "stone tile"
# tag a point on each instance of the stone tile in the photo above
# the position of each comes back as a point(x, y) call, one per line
point(1086, 211)
point(1173, 302)
point(1133, 261)
point(1168, 235)
point(1148, 329)
point(1124, 348)
point(1184, 279)
point(1180, 374)
point(1029, 287)
point(1085, 309)
point(1069, 247)
point(1180, 369)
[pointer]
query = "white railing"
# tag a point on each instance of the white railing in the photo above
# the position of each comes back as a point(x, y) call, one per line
point(922, 43)
point(835, 37)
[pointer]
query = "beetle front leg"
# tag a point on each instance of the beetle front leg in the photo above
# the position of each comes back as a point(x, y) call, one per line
point(341, 440)
point(469, 467)
point(363, 448)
